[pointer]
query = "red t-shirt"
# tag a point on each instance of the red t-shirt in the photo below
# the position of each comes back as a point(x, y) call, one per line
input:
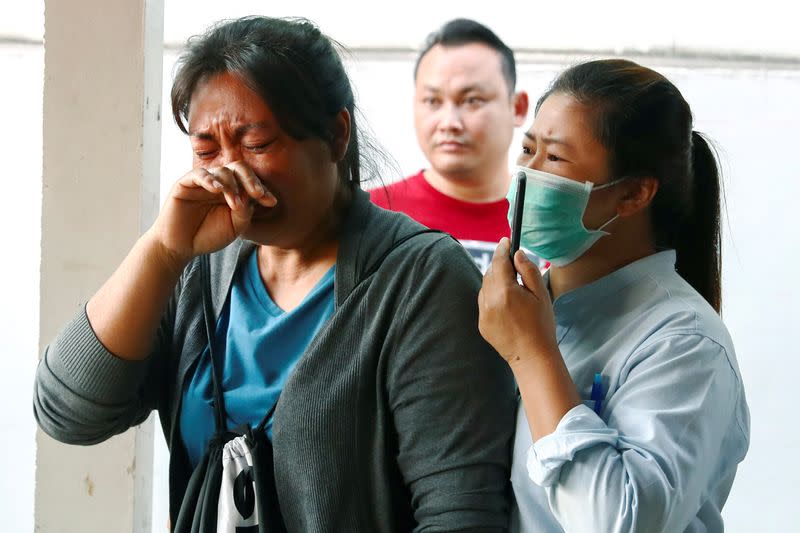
point(469, 221)
point(478, 226)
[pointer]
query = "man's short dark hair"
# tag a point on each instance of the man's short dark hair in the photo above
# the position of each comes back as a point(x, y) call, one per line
point(459, 32)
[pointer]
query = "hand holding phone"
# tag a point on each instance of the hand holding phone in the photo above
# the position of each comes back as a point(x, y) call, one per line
point(516, 221)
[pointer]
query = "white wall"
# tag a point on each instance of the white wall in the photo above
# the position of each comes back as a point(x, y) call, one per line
point(20, 219)
point(765, 28)
point(755, 117)
point(22, 20)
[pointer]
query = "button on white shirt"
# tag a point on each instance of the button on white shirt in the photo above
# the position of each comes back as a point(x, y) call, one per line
point(673, 426)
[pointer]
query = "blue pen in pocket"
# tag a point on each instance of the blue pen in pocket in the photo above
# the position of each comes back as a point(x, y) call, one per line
point(597, 393)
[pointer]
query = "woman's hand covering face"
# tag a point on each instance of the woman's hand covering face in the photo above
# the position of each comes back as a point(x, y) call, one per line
point(208, 208)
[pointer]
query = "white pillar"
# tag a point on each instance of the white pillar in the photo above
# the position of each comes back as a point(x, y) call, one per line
point(101, 142)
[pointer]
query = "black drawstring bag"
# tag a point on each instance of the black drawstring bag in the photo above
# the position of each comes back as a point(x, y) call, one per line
point(232, 489)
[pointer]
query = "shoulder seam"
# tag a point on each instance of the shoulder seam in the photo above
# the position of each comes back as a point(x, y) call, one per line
point(723, 352)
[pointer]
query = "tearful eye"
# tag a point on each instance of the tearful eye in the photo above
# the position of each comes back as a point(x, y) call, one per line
point(257, 147)
point(205, 155)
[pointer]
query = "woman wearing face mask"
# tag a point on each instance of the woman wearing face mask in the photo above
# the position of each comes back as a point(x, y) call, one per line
point(633, 415)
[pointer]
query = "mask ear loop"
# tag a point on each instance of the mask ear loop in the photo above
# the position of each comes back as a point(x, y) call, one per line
point(606, 186)
point(615, 217)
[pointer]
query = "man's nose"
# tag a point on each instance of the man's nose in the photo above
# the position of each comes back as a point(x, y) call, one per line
point(450, 118)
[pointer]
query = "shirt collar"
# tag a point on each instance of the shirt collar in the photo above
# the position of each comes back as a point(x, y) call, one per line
point(572, 302)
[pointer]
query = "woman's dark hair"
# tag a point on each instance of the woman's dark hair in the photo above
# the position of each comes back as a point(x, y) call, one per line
point(461, 32)
point(645, 124)
point(293, 66)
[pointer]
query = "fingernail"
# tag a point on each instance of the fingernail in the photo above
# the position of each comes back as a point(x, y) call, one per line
point(217, 185)
point(239, 201)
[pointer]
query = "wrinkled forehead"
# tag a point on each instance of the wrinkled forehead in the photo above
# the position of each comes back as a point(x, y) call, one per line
point(226, 99)
point(564, 122)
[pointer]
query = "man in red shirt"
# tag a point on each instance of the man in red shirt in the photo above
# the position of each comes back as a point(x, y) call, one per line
point(465, 111)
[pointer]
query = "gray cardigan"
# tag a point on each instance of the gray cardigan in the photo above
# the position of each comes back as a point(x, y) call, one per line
point(397, 417)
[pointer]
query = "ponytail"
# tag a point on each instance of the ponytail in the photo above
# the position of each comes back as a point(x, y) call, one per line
point(698, 243)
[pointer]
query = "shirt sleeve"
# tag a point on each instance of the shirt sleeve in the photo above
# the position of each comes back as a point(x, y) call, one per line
point(452, 399)
point(653, 463)
point(84, 394)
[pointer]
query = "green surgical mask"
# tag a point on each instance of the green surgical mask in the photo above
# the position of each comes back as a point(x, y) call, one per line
point(552, 217)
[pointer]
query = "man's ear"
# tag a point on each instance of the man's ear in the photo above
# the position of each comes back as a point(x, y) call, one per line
point(520, 108)
point(341, 135)
point(638, 195)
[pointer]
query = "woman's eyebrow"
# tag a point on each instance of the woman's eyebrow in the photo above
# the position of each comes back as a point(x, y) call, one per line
point(202, 135)
point(549, 140)
point(244, 128)
point(238, 131)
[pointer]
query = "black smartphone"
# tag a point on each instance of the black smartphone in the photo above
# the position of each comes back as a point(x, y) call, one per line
point(516, 221)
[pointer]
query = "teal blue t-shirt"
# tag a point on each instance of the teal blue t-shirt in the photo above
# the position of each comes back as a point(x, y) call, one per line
point(256, 345)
